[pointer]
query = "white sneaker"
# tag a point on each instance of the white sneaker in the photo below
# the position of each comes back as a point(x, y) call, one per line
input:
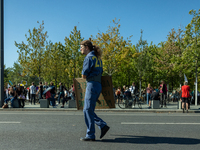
point(133, 106)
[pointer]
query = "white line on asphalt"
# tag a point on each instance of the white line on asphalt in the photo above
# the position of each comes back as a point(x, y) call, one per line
point(146, 123)
point(9, 122)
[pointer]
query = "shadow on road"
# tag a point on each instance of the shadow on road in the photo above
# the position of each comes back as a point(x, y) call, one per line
point(152, 140)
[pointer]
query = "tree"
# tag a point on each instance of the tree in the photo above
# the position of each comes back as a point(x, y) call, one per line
point(15, 75)
point(53, 64)
point(114, 48)
point(169, 58)
point(192, 42)
point(140, 58)
point(31, 55)
point(75, 58)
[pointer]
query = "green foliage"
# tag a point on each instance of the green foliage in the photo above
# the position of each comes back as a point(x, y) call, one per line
point(31, 55)
point(73, 54)
point(124, 61)
point(114, 48)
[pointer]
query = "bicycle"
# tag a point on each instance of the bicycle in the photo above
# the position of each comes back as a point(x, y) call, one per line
point(128, 102)
point(137, 100)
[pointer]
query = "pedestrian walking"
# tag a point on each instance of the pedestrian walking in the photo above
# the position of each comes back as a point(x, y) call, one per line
point(92, 72)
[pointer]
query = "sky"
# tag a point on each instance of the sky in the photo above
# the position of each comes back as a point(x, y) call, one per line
point(155, 17)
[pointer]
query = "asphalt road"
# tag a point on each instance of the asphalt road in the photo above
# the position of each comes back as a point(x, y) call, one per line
point(62, 131)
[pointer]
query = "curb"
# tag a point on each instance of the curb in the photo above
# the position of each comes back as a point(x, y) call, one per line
point(102, 110)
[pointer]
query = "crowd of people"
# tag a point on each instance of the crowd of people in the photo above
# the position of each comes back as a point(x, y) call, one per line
point(157, 93)
point(34, 93)
point(148, 94)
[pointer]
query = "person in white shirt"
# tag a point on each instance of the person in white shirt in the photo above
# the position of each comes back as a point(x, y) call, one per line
point(32, 90)
point(133, 89)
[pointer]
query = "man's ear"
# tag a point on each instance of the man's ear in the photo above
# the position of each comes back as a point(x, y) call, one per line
point(86, 47)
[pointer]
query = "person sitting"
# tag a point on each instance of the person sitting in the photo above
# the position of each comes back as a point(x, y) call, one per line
point(65, 98)
point(127, 94)
point(21, 99)
point(50, 98)
point(154, 96)
point(11, 93)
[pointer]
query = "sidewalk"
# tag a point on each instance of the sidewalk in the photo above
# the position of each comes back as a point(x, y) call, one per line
point(171, 108)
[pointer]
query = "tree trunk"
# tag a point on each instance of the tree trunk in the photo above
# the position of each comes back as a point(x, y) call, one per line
point(196, 85)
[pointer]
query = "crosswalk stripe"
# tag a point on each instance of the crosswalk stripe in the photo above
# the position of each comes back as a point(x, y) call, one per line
point(9, 122)
point(147, 123)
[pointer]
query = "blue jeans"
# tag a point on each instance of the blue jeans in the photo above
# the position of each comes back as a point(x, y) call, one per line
point(12, 101)
point(60, 95)
point(148, 97)
point(72, 97)
point(92, 93)
point(8, 99)
point(52, 100)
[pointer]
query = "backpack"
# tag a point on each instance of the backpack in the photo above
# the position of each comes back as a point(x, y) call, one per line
point(118, 92)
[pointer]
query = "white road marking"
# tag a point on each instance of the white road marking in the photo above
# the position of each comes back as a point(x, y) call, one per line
point(8, 122)
point(147, 123)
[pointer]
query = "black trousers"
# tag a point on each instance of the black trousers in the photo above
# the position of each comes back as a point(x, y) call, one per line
point(65, 99)
point(33, 98)
point(163, 98)
point(21, 103)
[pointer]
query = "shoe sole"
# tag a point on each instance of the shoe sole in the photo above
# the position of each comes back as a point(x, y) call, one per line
point(87, 140)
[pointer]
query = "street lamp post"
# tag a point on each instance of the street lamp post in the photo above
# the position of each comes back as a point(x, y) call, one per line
point(2, 54)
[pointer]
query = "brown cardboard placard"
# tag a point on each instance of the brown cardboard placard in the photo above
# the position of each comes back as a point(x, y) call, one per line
point(106, 97)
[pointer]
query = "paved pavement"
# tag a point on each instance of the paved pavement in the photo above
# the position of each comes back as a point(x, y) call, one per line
point(171, 108)
point(61, 130)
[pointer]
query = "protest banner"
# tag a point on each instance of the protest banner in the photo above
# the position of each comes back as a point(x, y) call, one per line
point(106, 97)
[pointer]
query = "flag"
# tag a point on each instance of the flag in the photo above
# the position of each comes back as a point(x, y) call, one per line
point(10, 82)
point(185, 78)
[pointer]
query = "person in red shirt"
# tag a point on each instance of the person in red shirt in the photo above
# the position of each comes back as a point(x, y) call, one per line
point(50, 98)
point(185, 89)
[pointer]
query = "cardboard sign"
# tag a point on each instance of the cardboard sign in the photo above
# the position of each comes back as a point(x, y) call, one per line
point(106, 97)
